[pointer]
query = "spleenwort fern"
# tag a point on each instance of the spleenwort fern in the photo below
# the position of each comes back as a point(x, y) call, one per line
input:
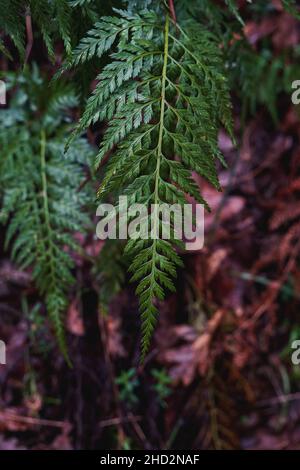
point(164, 94)
point(40, 200)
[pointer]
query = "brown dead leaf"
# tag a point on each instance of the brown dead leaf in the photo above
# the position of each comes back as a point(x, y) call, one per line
point(114, 337)
point(186, 360)
point(74, 319)
point(286, 213)
point(214, 262)
point(256, 31)
point(34, 403)
point(202, 344)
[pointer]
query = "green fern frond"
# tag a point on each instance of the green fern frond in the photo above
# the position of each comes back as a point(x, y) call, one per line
point(12, 22)
point(39, 190)
point(164, 94)
point(63, 13)
point(52, 19)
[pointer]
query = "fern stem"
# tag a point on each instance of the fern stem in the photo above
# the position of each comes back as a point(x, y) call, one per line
point(162, 114)
point(44, 179)
point(56, 315)
point(172, 11)
point(45, 200)
point(158, 164)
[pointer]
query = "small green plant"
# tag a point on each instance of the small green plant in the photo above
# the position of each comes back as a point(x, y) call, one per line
point(127, 383)
point(162, 385)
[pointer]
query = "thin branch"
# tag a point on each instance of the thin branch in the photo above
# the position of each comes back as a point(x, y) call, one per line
point(172, 11)
point(29, 35)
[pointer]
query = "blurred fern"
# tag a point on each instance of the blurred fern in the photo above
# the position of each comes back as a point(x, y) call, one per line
point(39, 187)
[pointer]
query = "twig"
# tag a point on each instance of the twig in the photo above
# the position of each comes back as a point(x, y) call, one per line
point(279, 400)
point(116, 421)
point(172, 11)
point(7, 415)
point(138, 430)
point(29, 35)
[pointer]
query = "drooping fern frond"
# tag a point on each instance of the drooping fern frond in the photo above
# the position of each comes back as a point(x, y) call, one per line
point(39, 194)
point(11, 22)
point(49, 17)
point(52, 19)
point(165, 95)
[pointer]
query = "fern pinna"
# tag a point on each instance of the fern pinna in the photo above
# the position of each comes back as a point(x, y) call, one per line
point(164, 94)
point(40, 199)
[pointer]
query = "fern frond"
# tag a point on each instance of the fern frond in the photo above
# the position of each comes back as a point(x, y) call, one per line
point(165, 94)
point(11, 22)
point(39, 186)
point(63, 12)
point(53, 19)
